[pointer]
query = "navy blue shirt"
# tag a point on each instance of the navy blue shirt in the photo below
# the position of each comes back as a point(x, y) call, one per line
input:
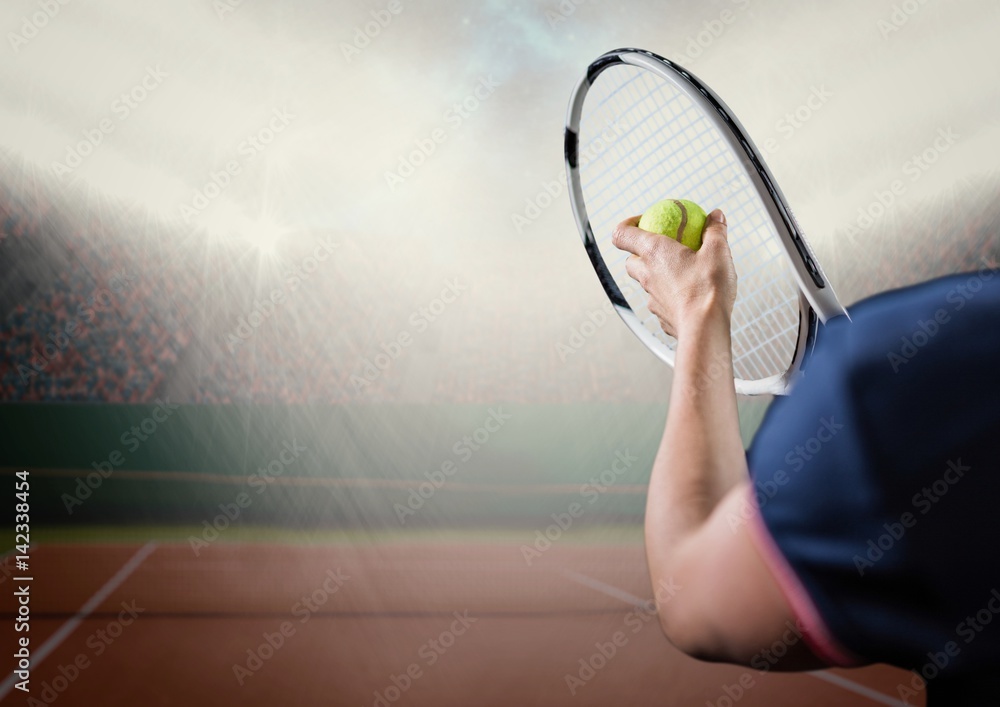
point(878, 481)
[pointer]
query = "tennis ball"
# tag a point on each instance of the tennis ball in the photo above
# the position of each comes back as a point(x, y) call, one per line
point(679, 219)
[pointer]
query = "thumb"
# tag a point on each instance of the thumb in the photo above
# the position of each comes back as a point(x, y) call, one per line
point(716, 227)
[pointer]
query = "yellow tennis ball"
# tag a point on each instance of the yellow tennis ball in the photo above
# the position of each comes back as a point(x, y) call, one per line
point(679, 219)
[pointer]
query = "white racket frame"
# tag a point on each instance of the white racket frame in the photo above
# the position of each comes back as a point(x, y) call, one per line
point(817, 300)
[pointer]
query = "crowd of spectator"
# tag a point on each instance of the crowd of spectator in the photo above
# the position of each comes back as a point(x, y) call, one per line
point(95, 326)
point(131, 310)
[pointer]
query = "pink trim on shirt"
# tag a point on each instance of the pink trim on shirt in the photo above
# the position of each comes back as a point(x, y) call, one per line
point(815, 631)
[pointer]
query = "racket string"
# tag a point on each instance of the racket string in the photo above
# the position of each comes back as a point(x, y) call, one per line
point(666, 147)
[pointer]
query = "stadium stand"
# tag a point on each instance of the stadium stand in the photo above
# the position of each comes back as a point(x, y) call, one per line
point(111, 305)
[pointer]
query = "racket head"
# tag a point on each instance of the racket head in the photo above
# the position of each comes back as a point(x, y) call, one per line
point(639, 129)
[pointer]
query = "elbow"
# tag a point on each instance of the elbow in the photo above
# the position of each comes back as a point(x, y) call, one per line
point(684, 634)
point(688, 631)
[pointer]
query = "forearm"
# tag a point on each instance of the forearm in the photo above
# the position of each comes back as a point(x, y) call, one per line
point(701, 455)
point(716, 598)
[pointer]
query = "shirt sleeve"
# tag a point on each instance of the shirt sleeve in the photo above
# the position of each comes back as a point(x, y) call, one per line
point(873, 479)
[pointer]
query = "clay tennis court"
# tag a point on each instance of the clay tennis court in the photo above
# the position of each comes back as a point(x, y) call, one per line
point(152, 624)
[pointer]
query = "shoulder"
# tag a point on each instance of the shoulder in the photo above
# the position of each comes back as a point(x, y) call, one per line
point(892, 328)
point(900, 359)
point(873, 517)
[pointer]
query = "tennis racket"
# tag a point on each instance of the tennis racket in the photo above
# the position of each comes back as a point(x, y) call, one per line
point(640, 129)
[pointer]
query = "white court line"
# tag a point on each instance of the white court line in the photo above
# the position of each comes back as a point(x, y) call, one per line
point(837, 680)
point(606, 589)
point(67, 628)
point(860, 689)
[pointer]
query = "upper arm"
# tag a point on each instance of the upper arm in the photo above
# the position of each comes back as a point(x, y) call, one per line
point(729, 606)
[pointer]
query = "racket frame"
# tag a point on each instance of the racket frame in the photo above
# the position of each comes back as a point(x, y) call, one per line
point(817, 300)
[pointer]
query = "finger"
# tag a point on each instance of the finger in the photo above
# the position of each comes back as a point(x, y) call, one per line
point(668, 329)
point(657, 311)
point(716, 227)
point(629, 237)
point(636, 269)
